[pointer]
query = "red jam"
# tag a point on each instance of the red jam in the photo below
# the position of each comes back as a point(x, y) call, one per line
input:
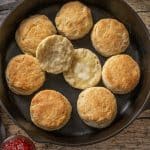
point(17, 143)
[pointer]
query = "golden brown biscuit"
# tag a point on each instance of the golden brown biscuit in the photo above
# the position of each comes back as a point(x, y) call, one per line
point(85, 70)
point(110, 37)
point(32, 31)
point(55, 54)
point(50, 110)
point(24, 75)
point(121, 74)
point(97, 107)
point(74, 20)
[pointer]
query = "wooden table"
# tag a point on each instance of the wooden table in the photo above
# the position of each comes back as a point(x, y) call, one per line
point(136, 136)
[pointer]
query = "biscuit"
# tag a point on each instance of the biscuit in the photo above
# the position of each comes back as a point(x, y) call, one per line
point(97, 107)
point(32, 31)
point(74, 20)
point(110, 37)
point(57, 110)
point(85, 70)
point(24, 75)
point(121, 74)
point(55, 54)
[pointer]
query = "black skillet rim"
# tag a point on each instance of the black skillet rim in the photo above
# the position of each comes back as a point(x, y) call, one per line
point(97, 140)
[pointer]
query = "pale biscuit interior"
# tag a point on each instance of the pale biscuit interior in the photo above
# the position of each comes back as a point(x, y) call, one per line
point(55, 54)
point(85, 70)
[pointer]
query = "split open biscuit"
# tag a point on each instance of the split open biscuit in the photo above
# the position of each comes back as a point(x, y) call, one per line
point(55, 54)
point(85, 70)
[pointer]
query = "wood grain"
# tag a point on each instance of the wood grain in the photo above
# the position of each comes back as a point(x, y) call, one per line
point(139, 5)
point(145, 16)
point(135, 137)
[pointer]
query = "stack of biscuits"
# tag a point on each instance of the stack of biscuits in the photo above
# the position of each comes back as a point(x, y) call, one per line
point(46, 51)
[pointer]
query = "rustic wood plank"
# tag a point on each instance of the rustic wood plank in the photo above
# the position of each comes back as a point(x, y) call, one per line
point(139, 5)
point(145, 16)
point(3, 15)
point(8, 4)
point(145, 114)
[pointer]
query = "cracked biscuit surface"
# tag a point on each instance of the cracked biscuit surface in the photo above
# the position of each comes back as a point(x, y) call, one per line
point(110, 37)
point(57, 110)
point(97, 107)
point(85, 70)
point(121, 74)
point(24, 75)
point(32, 31)
point(74, 20)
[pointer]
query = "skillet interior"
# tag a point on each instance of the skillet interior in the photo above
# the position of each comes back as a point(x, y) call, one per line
point(76, 132)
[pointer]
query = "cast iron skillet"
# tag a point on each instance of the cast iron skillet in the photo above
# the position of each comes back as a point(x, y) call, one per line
point(76, 132)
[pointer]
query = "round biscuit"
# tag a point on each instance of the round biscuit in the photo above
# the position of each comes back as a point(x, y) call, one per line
point(32, 31)
point(121, 74)
point(57, 110)
point(97, 107)
point(110, 37)
point(24, 75)
point(55, 54)
point(85, 70)
point(74, 20)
